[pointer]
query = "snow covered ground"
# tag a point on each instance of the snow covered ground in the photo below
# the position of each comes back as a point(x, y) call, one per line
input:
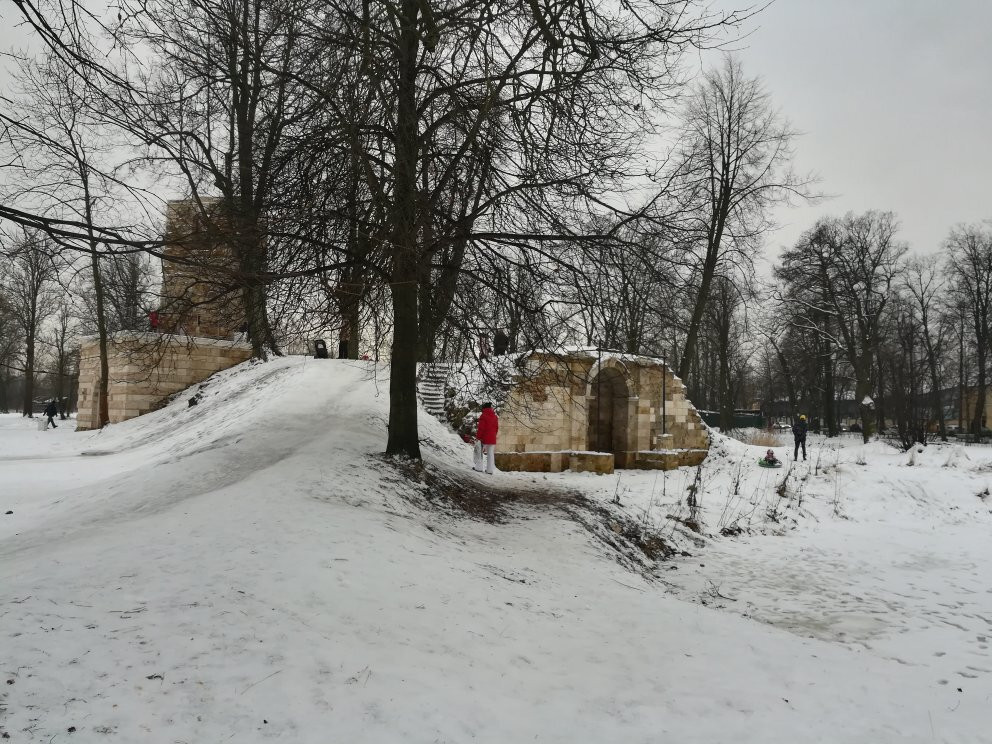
point(250, 569)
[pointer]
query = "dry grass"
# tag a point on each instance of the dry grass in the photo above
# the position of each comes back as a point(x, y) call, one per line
point(760, 438)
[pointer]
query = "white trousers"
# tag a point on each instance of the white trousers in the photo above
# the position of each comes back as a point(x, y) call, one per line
point(488, 451)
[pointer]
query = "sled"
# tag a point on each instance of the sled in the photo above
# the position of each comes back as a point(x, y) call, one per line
point(765, 464)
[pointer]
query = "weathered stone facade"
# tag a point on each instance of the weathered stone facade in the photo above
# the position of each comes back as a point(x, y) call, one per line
point(555, 462)
point(145, 369)
point(564, 405)
point(199, 272)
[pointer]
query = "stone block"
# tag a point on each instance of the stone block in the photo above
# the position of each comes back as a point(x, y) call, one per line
point(657, 460)
point(530, 462)
point(624, 459)
point(692, 457)
point(591, 462)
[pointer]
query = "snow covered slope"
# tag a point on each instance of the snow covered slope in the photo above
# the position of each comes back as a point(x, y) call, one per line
point(250, 569)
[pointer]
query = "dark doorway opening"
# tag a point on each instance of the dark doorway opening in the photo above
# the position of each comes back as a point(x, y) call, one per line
point(608, 414)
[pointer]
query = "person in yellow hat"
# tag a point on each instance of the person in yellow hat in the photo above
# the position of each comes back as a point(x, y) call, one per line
point(799, 430)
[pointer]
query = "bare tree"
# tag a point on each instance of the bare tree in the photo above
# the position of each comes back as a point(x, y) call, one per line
point(485, 127)
point(215, 104)
point(728, 320)
point(969, 265)
point(802, 333)
point(128, 281)
point(780, 371)
point(28, 283)
point(495, 131)
point(621, 286)
point(63, 168)
point(846, 268)
point(737, 153)
point(59, 339)
point(925, 286)
point(899, 362)
point(11, 342)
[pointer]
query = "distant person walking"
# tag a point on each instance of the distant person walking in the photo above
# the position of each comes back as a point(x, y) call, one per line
point(51, 410)
point(799, 430)
point(485, 439)
point(153, 321)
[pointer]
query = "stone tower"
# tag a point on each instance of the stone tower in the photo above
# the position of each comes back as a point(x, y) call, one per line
point(199, 273)
point(200, 321)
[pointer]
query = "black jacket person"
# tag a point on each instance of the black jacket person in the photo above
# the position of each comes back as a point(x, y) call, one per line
point(799, 430)
point(51, 411)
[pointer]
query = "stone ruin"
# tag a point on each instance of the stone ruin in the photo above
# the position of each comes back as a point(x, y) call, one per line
point(198, 270)
point(199, 325)
point(590, 410)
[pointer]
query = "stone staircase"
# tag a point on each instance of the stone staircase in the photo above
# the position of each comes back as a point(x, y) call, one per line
point(432, 379)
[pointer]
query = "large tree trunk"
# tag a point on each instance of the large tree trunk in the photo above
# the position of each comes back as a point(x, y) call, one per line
point(714, 239)
point(351, 288)
point(726, 393)
point(250, 247)
point(982, 353)
point(880, 397)
point(829, 407)
point(103, 389)
point(404, 437)
point(4, 384)
point(350, 306)
point(790, 386)
point(103, 405)
point(28, 400)
point(862, 390)
point(436, 296)
point(699, 308)
point(936, 404)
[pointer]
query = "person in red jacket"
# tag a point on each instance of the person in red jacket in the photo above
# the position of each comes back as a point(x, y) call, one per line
point(485, 439)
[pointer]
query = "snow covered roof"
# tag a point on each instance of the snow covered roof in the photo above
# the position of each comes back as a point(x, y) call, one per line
point(593, 352)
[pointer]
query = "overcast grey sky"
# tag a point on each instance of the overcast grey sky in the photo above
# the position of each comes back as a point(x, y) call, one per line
point(895, 100)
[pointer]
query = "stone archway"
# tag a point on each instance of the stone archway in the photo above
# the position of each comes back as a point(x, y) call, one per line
point(608, 411)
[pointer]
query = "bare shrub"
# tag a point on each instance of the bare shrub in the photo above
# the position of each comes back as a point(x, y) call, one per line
point(759, 437)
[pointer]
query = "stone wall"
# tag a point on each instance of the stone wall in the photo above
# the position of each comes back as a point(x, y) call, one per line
point(556, 462)
point(558, 401)
point(146, 368)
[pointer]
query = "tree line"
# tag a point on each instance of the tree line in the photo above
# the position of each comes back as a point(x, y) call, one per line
point(905, 338)
point(47, 303)
point(412, 176)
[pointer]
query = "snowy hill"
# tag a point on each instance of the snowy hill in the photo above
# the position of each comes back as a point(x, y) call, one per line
point(251, 569)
